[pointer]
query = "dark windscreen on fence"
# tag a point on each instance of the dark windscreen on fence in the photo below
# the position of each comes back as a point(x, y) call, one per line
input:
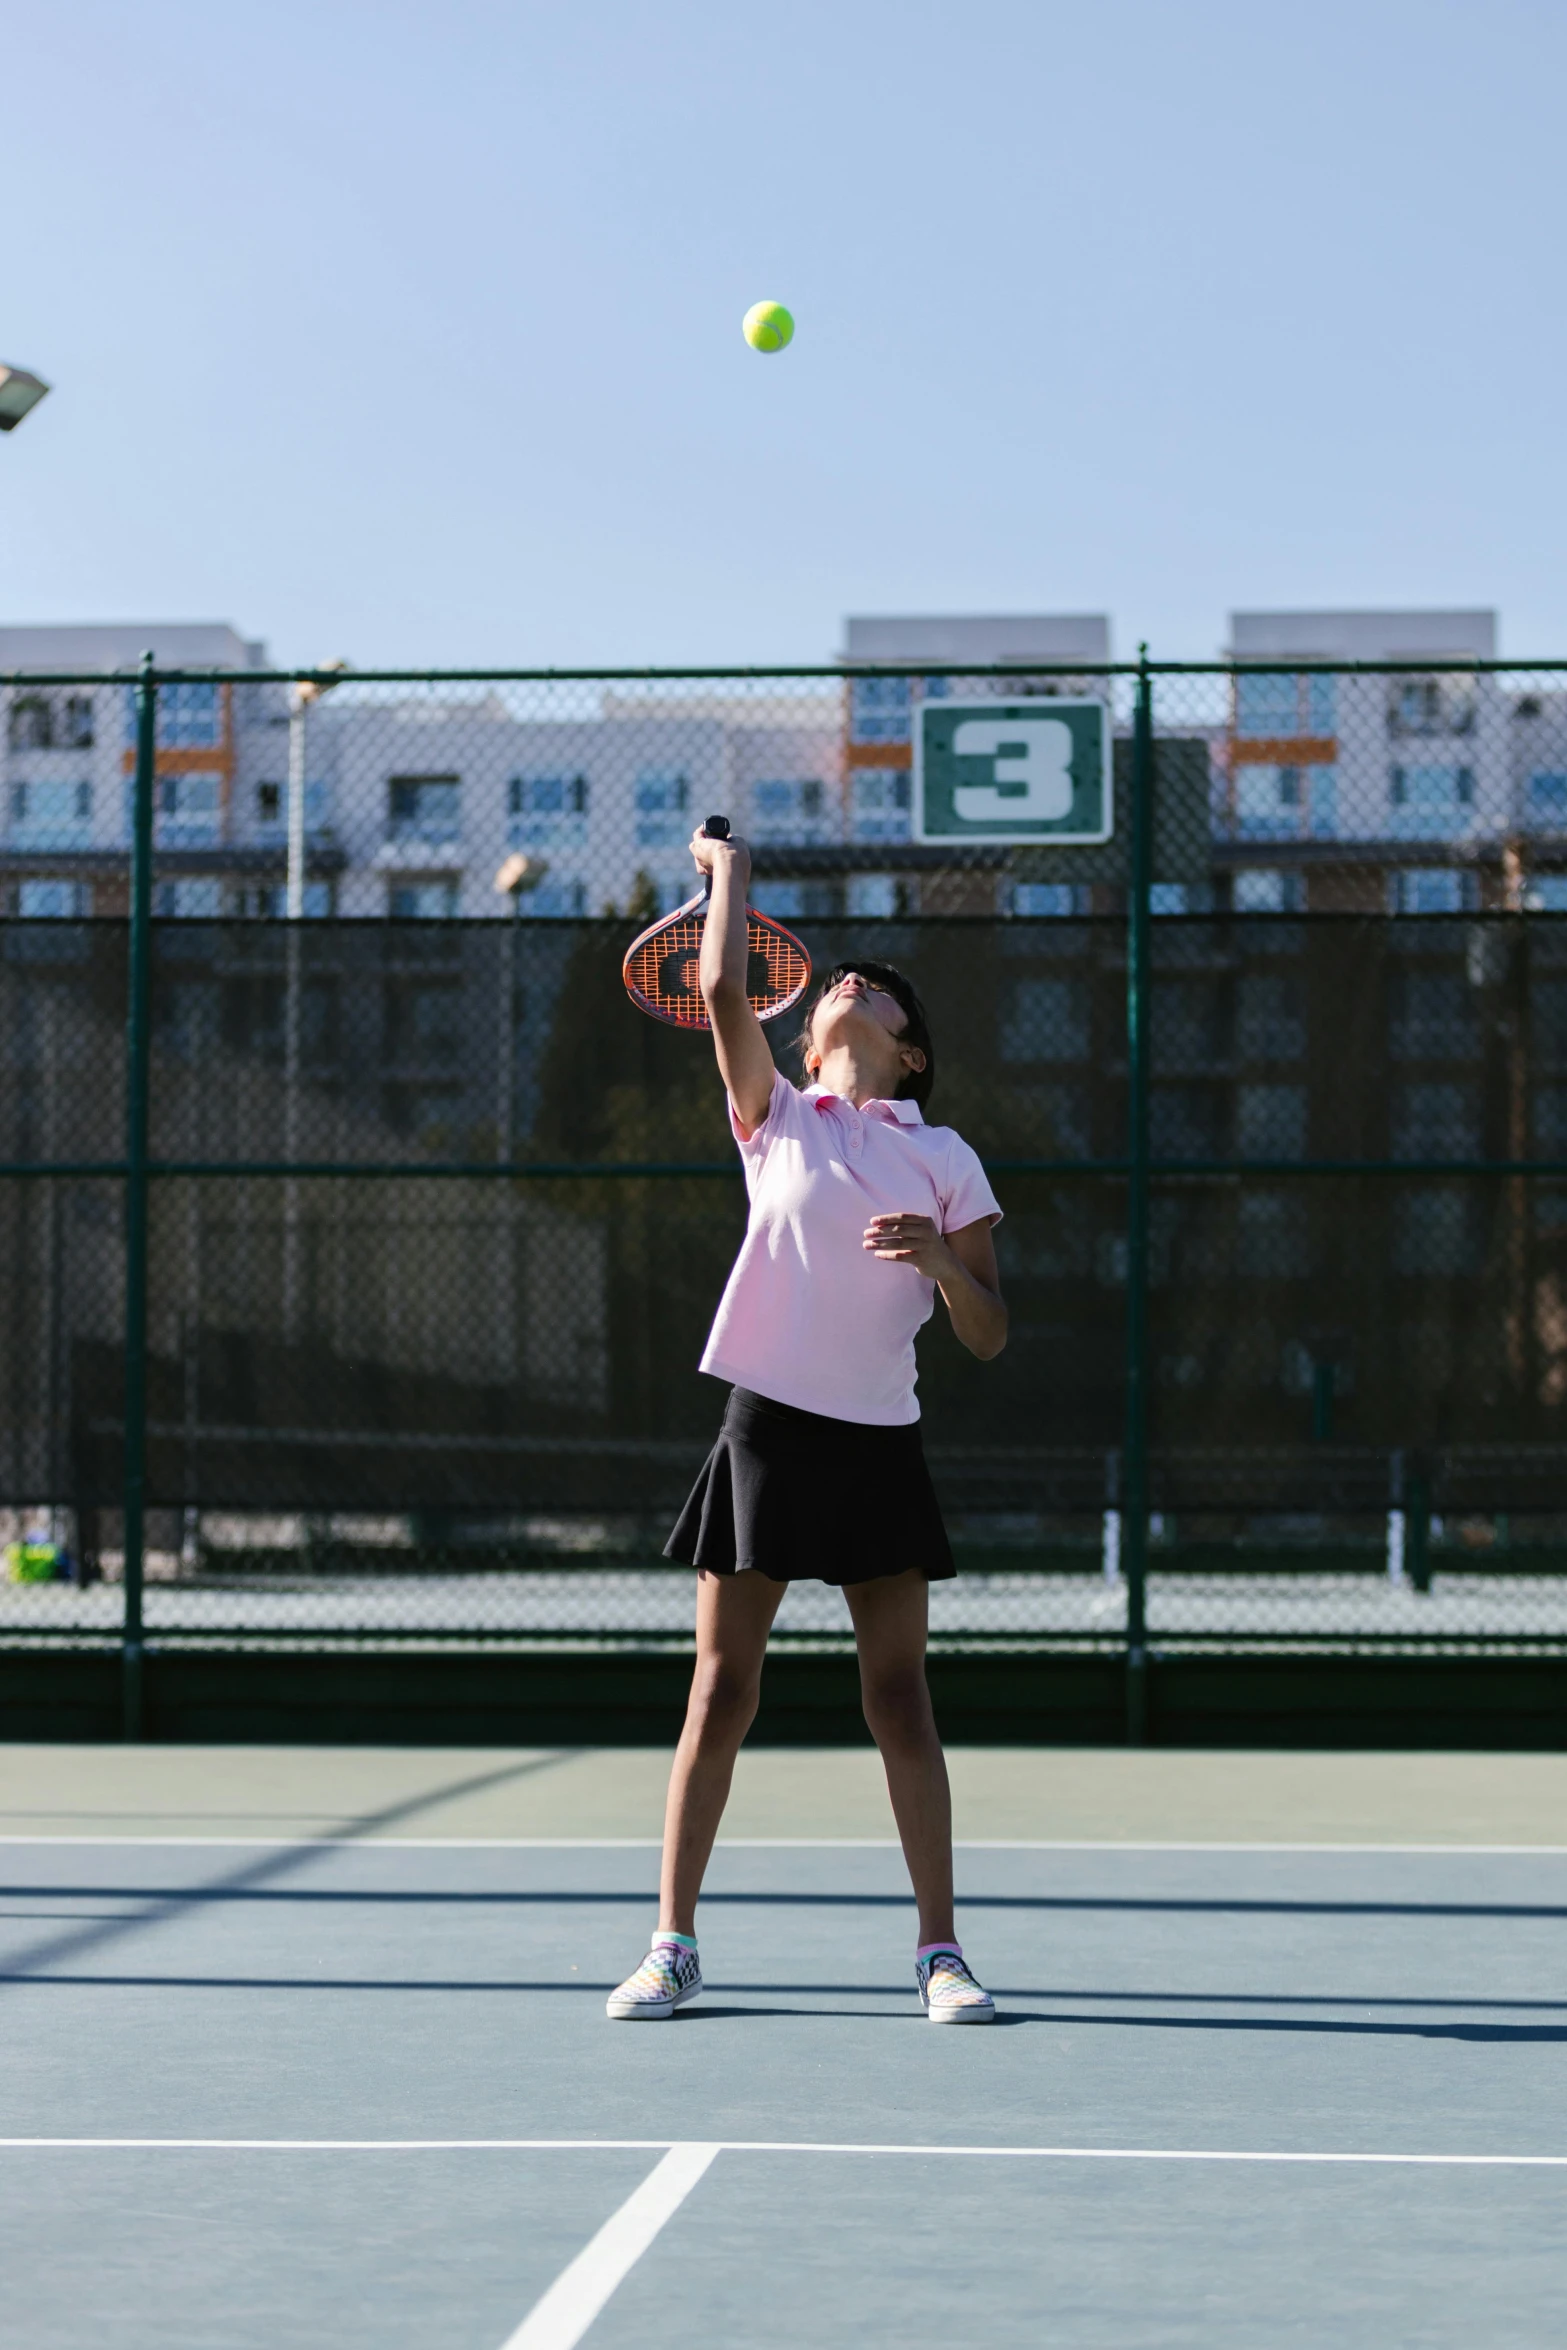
point(491, 1349)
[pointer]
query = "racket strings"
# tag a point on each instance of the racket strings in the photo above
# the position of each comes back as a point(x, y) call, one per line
point(661, 970)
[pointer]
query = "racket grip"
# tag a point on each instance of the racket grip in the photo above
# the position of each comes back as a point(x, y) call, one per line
point(716, 828)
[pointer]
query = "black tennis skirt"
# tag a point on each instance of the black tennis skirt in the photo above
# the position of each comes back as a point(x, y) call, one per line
point(803, 1497)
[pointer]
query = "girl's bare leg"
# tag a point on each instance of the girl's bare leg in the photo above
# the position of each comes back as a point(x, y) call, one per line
point(734, 1614)
point(890, 1619)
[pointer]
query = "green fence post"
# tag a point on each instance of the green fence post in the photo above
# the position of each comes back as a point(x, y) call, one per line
point(137, 1086)
point(1134, 1468)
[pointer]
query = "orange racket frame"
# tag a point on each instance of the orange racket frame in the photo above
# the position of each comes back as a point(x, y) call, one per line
point(660, 969)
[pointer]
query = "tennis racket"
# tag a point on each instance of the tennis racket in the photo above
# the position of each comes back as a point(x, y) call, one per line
point(660, 969)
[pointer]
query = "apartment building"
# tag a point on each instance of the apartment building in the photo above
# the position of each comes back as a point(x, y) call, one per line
point(66, 755)
point(1416, 792)
point(426, 797)
point(413, 799)
point(1394, 792)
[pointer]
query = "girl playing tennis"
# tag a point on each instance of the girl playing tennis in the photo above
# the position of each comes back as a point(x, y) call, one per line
point(859, 1213)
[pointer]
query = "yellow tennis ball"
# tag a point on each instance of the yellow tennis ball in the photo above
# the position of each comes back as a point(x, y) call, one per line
point(767, 326)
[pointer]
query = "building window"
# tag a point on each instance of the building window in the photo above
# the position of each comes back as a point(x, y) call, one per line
point(794, 901)
point(1430, 802)
point(1432, 1017)
point(1270, 1121)
point(1267, 704)
point(272, 806)
point(1285, 803)
point(789, 810)
point(1430, 889)
point(267, 901)
point(75, 728)
point(1045, 1020)
point(1265, 890)
point(1269, 1018)
point(190, 717)
point(1046, 901)
point(661, 803)
point(879, 803)
point(1273, 1241)
point(1267, 802)
point(1548, 801)
point(31, 723)
point(188, 901)
point(424, 809)
point(547, 811)
point(872, 897)
point(1321, 704)
point(554, 901)
point(188, 810)
point(42, 813)
point(51, 901)
point(1547, 894)
point(423, 901)
point(1278, 705)
point(1433, 1234)
point(1430, 705)
point(1435, 1121)
point(879, 709)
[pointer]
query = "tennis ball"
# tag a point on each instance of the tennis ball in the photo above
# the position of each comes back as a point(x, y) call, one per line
point(767, 326)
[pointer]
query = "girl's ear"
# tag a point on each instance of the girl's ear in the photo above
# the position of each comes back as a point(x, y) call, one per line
point(913, 1059)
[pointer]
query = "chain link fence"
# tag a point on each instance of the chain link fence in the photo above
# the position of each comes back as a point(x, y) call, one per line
point(358, 1238)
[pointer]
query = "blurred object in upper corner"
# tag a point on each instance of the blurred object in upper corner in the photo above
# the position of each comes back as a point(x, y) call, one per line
point(19, 392)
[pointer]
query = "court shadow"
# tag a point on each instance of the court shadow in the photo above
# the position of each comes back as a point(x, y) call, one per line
point(258, 1879)
point(855, 2015)
point(1336, 2027)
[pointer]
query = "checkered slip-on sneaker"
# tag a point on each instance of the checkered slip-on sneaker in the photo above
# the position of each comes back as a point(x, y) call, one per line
point(666, 1979)
point(948, 1992)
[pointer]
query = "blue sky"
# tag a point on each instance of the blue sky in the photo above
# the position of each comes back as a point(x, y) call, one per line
point(413, 332)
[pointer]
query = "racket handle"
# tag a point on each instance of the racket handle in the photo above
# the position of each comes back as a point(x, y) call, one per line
point(716, 828)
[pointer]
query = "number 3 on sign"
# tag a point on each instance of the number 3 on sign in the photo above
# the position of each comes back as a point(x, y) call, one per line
point(1035, 752)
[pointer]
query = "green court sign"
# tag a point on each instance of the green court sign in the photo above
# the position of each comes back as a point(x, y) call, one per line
point(1036, 770)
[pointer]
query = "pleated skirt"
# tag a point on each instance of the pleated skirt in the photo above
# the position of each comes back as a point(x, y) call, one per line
point(803, 1497)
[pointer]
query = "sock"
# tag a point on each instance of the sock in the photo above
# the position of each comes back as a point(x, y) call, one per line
point(685, 1941)
point(929, 1949)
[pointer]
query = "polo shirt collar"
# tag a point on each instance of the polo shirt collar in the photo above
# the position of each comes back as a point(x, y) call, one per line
point(899, 1113)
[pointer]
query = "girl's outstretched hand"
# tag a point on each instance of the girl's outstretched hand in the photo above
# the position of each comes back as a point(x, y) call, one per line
point(708, 854)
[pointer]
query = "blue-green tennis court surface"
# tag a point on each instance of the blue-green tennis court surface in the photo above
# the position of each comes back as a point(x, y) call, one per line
point(257, 2094)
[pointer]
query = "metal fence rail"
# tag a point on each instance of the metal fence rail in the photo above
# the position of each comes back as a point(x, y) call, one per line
point(357, 1239)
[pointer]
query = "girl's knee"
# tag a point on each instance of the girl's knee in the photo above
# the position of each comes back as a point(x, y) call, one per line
point(723, 1700)
point(897, 1706)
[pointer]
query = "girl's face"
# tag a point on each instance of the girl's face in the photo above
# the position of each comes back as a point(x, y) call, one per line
point(858, 1013)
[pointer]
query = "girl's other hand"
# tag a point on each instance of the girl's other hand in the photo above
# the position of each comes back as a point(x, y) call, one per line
point(909, 1240)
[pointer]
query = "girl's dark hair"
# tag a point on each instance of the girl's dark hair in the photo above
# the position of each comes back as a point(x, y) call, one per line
point(916, 1083)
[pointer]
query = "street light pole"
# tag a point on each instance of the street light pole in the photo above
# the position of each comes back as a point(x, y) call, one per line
point(516, 878)
point(308, 690)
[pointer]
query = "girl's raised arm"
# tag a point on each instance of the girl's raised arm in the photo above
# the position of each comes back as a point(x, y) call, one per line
point(744, 1061)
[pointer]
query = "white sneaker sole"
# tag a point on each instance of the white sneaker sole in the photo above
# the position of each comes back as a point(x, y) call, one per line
point(651, 2011)
point(961, 2015)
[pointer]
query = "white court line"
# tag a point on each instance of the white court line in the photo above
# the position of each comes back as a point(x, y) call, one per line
point(760, 1844)
point(560, 2319)
point(709, 2147)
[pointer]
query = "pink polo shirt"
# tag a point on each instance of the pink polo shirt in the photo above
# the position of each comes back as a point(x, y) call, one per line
point(809, 1316)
